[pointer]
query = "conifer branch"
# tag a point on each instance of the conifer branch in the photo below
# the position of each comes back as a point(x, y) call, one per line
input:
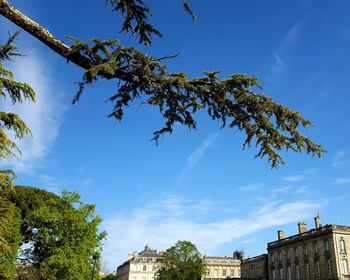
point(267, 124)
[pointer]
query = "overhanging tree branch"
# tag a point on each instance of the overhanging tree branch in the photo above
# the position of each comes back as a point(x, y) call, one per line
point(230, 101)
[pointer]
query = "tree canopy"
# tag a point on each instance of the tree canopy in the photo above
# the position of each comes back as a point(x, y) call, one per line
point(235, 102)
point(182, 262)
point(17, 92)
point(61, 234)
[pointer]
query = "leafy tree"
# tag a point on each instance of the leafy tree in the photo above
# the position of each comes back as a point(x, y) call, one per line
point(61, 232)
point(182, 262)
point(10, 238)
point(110, 276)
point(16, 92)
point(234, 101)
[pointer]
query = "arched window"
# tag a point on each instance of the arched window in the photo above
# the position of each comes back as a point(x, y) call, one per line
point(342, 246)
point(344, 263)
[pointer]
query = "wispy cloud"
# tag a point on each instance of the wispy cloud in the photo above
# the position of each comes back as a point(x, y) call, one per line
point(295, 178)
point(56, 185)
point(342, 181)
point(339, 158)
point(163, 223)
point(43, 117)
point(252, 187)
point(52, 184)
point(197, 155)
point(279, 65)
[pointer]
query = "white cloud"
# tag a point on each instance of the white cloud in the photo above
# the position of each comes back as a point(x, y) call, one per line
point(197, 155)
point(163, 223)
point(279, 66)
point(291, 36)
point(339, 158)
point(51, 184)
point(42, 117)
point(251, 187)
point(342, 181)
point(295, 178)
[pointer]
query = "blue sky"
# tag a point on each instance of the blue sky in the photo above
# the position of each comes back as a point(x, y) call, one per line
point(199, 186)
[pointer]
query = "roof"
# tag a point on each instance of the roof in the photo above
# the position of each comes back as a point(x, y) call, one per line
point(310, 234)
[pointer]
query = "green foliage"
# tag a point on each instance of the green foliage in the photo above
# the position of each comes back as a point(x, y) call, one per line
point(17, 92)
point(62, 231)
point(236, 101)
point(10, 237)
point(232, 101)
point(182, 262)
point(109, 277)
point(136, 18)
point(32, 273)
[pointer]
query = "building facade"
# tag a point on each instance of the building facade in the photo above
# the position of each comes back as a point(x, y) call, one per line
point(218, 268)
point(139, 266)
point(255, 268)
point(316, 254)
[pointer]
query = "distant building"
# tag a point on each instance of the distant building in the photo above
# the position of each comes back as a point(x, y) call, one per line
point(255, 268)
point(218, 268)
point(139, 266)
point(319, 253)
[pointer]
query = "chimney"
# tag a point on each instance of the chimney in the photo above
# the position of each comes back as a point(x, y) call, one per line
point(302, 227)
point(317, 221)
point(280, 234)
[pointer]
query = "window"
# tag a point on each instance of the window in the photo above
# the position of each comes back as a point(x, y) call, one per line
point(208, 273)
point(329, 267)
point(326, 244)
point(344, 263)
point(307, 271)
point(273, 258)
point(154, 268)
point(281, 273)
point(273, 274)
point(232, 272)
point(296, 252)
point(305, 250)
point(297, 271)
point(316, 248)
point(224, 273)
point(288, 254)
point(280, 256)
point(317, 269)
point(289, 273)
point(144, 268)
point(342, 246)
point(216, 274)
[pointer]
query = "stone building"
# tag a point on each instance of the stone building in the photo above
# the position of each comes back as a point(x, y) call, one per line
point(255, 268)
point(218, 268)
point(139, 266)
point(319, 253)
